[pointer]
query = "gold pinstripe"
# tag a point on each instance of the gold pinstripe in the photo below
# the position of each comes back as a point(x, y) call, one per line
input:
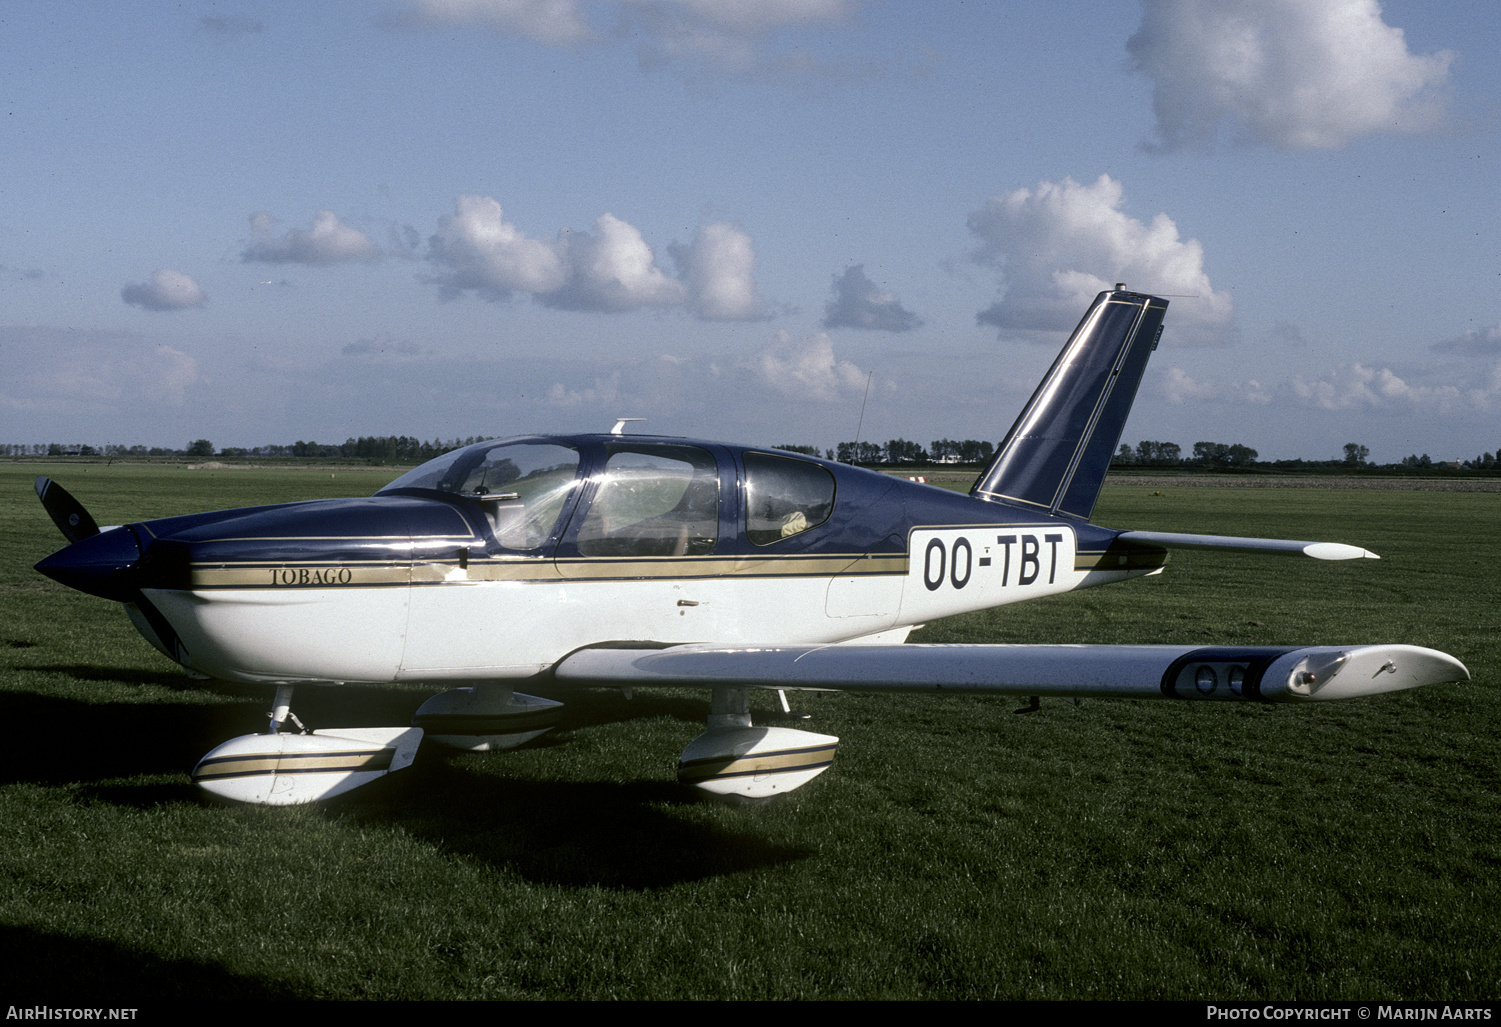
point(294, 763)
point(352, 574)
point(356, 574)
point(787, 761)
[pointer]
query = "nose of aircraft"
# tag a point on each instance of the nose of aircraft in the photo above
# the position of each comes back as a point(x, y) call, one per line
point(100, 565)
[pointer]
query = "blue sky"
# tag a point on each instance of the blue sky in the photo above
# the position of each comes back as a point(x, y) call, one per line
point(264, 222)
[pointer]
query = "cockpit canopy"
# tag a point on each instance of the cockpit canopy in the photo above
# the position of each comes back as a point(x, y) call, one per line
point(648, 498)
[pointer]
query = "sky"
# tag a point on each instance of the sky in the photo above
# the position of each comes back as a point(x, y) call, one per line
point(767, 221)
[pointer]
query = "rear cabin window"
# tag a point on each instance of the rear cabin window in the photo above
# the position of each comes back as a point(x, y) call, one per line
point(784, 497)
point(658, 502)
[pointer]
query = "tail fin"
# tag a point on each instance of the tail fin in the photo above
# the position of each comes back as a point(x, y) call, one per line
point(1055, 457)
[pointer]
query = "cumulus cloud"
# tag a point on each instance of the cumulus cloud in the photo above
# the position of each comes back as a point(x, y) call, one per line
point(1352, 387)
point(1061, 244)
point(555, 22)
point(713, 31)
point(859, 303)
point(1356, 389)
point(611, 269)
point(161, 374)
point(167, 290)
point(807, 368)
point(1293, 74)
point(328, 242)
point(484, 252)
point(719, 269)
point(1178, 387)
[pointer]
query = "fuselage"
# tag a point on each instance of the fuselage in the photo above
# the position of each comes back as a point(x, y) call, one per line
point(496, 561)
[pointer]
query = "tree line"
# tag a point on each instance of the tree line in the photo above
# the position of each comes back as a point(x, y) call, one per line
point(1222, 456)
point(406, 449)
point(383, 448)
point(900, 451)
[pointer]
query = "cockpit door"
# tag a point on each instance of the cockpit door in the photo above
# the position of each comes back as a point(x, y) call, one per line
point(647, 509)
point(492, 608)
point(644, 543)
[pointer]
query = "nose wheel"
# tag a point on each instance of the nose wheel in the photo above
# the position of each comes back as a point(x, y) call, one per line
point(280, 767)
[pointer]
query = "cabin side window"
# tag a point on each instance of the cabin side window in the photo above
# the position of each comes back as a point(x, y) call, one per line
point(784, 497)
point(662, 501)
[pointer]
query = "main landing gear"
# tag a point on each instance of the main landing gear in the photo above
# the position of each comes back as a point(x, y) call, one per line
point(737, 761)
point(732, 760)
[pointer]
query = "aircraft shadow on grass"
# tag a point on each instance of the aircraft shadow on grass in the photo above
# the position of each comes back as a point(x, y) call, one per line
point(67, 970)
point(114, 730)
point(569, 833)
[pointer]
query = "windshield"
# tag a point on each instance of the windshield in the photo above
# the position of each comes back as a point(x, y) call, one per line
point(521, 486)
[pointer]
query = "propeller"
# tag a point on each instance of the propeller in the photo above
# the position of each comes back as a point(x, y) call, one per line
point(66, 512)
point(105, 564)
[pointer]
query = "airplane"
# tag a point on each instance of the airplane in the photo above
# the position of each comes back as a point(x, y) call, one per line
point(631, 561)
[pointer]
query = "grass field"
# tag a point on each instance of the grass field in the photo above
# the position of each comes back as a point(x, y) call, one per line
point(956, 850)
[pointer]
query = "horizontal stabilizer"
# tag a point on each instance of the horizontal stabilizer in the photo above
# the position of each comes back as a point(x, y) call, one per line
point(1317, 550)
point(1257, 673)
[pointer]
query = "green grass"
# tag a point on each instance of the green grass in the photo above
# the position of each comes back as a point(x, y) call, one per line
point(1105, 850)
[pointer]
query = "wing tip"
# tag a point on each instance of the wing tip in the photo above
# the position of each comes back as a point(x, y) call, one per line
point(1337, 551)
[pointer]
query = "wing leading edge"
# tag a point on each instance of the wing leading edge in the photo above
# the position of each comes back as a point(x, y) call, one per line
point(1246, 673)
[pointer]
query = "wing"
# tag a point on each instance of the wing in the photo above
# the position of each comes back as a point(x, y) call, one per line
point(1255, 673)
point(1317, 550)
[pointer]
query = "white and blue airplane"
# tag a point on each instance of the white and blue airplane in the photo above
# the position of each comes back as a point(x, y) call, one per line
point(629, 561)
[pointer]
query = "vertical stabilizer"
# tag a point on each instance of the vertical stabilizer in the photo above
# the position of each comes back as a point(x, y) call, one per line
point(1055, 457)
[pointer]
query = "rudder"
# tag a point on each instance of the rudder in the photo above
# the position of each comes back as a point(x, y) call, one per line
point(1057, 453)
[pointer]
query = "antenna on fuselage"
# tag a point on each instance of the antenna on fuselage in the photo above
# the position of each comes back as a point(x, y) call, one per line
point(860, 425)
point(621, 422)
